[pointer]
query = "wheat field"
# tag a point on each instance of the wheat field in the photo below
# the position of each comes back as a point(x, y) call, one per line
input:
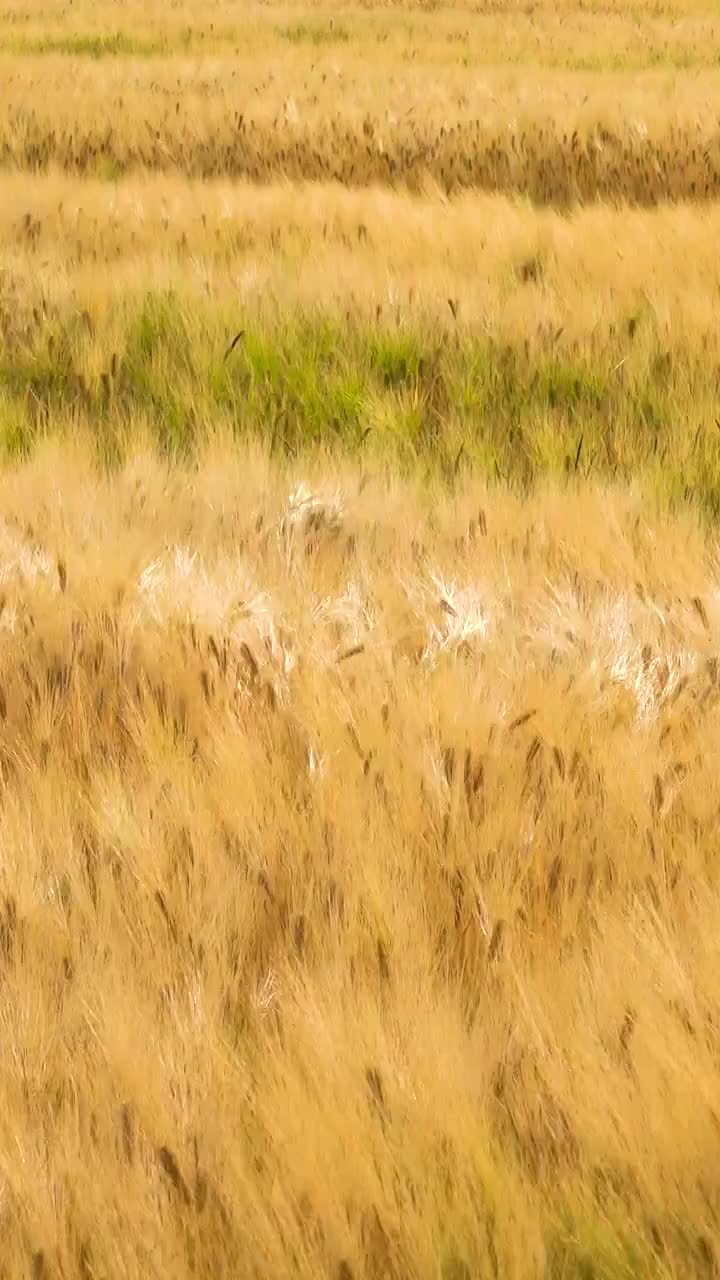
point(359, 881)
point(359, 640)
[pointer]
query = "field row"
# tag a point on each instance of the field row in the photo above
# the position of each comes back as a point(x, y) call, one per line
point(557, 137)
point(161, 371)
point(165, 371)
point(358, 899)
point(477, 334)
point(510, 269)
point(509, 266)
point(537, 161)
point(447, 38)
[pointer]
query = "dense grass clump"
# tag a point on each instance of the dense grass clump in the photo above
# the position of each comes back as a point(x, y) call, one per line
point(520, 413)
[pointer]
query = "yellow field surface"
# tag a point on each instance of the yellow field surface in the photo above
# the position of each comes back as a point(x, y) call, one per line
point(359, 640)
point(359, 876)
point(562, 103)
point(509, 267)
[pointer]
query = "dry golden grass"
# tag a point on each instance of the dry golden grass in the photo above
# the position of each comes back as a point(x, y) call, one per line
point(562, 105)
point(358, 883)
point(514, 272)
point(614, 137)
point(451, 35)
point(358, 890)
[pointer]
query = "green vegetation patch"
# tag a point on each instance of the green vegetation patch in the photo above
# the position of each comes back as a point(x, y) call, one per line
point(114, 45)
point(315, 34)
point(440, 401)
